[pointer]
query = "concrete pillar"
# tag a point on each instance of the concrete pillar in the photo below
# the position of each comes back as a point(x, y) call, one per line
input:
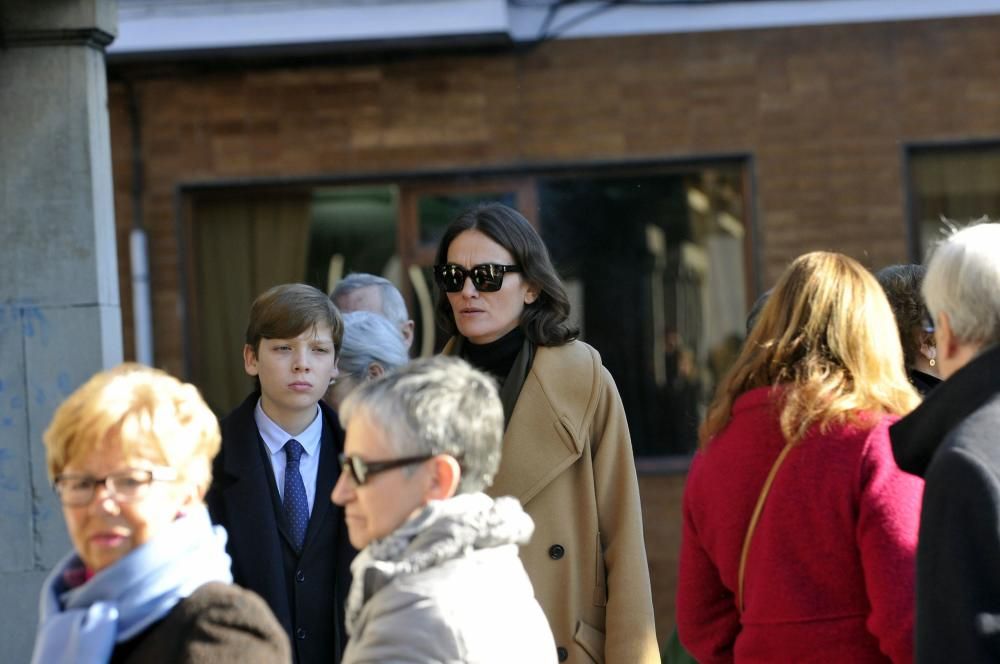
point(60, 318)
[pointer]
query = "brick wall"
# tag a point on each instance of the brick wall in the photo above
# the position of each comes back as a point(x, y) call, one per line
point(824, 113)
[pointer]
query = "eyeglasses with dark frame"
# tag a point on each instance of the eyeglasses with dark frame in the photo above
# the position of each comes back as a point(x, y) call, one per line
point(122, 487)
point(486, 277)
point(360, 470)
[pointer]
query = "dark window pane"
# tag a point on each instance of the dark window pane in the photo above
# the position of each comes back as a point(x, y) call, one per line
point(352, 230)
point(961, 184)
point(654, 264)
point(438, 210)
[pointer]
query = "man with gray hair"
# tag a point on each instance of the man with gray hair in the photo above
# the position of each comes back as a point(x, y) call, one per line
point(360, 291)
point(951, 440)
point(438, 578)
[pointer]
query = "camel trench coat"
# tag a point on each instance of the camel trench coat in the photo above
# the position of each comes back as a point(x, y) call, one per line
point(567, 456)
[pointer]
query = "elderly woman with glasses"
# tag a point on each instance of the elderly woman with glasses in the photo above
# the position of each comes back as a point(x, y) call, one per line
point(129, 454)
point(951, 440)
point(567, 454)
point(372, 346)
point(438, 578)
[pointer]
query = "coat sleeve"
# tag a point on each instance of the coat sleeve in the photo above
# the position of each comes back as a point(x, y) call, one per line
point(707, 620)
point(400, 627)
point(234, 626)
point(958, 579)
point(888, 520)
point(630, 631)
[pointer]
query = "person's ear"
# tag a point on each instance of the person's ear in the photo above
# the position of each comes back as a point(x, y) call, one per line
point(947, 344)
point(407, 331)
point(928, 350)
point(932, 355)
point(532, 294)
point(445, 474)
point(926, 344)
point(190, 496)
point(375, 370)
point(249, 360)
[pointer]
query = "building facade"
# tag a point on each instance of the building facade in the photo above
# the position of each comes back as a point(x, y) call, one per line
point(673, 175)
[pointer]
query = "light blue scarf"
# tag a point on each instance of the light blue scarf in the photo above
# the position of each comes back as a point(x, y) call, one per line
point(83, 624)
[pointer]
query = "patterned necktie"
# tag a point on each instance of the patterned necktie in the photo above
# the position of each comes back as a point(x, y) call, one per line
point(296, 506)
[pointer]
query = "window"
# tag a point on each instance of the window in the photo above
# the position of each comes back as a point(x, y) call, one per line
point(657, 271)
point(656, 265)
point(655, 260)
point(960, 183)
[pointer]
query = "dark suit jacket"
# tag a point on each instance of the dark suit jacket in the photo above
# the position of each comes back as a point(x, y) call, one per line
point(306, 589)
point(951, 441)
point(217, 624)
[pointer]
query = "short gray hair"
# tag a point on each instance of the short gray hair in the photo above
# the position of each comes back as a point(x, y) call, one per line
point(393, 306)
point(370, 338)
point(963, 281)
point(438, 405)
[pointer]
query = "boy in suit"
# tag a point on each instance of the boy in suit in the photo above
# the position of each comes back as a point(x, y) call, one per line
point(277, 467)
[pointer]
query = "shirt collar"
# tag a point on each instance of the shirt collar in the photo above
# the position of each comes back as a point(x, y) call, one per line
point(275, 437)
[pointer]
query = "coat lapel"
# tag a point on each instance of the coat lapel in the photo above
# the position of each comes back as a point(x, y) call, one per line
point(247, 493)
point(330, 447)
point(543, 437)
point(545, 434)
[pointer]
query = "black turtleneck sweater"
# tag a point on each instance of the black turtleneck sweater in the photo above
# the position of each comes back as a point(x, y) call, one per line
point(496, 357)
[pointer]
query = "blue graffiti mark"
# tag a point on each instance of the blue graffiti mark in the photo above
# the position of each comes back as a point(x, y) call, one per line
point(32, 319)
point(64, 382)
point(9, 314)
point(7, 483)
point(39, 396)
point(16, 403)
point(41, 511)
point(7, 422)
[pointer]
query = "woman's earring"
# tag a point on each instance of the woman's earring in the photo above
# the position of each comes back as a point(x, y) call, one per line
point(933, 354)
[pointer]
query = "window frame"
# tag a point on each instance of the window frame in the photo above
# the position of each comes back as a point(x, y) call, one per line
point(411, 185)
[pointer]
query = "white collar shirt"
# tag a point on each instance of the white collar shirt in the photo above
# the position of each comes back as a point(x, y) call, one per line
point(275, 438)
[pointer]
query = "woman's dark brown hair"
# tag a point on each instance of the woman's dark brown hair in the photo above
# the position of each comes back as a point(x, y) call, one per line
point(544, 320)
point(901, 284)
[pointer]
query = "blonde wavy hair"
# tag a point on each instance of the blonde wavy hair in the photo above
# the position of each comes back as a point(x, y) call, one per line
point(827, 337)
point(147, 413)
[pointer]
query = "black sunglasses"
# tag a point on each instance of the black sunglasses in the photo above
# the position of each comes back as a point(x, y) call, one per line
point(487, 277)
point(361, 470)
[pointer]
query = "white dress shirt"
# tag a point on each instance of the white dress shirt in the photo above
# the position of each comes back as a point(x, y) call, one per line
point(275, 438)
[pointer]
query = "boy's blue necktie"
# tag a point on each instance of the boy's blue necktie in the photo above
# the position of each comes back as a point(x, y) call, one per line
point(295, 504)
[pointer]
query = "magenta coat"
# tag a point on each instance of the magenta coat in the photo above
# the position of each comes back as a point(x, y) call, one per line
point(830, 573)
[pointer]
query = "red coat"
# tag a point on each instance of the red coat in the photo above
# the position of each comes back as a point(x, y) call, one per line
point(830, 573)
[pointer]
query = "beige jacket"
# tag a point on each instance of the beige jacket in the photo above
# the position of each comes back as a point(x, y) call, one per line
point(567, 456)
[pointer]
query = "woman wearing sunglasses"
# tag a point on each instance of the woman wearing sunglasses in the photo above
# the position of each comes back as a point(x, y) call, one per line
point(567, 455)
point(130, 456)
